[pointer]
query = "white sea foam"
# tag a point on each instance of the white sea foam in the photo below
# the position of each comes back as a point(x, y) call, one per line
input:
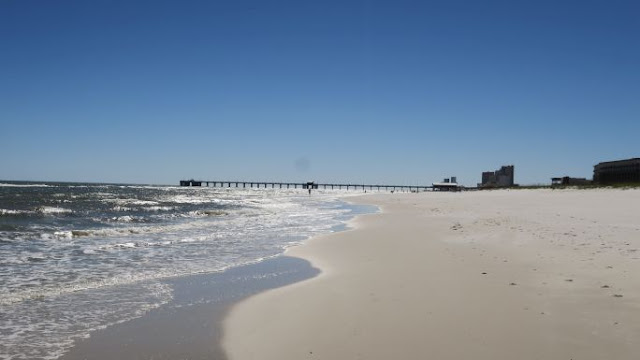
point(159, 208)
point(131, 230)
point(9, 212)
point(146, 208)
point(57, 235)
point(207, 213)
point(63, 234)
point(149, 187)
point(23, 185)
point(89, 261)
point(125, 202)
point(45, 210)
point(51, 292)
point(191, 199)
point(53, 210)
point(127, 219)
point(49, 326)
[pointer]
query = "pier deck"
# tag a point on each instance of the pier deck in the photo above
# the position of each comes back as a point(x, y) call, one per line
point(307, 185)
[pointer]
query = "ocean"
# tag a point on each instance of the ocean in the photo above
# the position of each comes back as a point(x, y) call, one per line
point(75, 258)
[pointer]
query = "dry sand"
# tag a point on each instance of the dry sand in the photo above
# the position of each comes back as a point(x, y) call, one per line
point(520, 274)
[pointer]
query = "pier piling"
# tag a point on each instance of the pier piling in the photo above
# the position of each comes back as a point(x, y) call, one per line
point(289, 185)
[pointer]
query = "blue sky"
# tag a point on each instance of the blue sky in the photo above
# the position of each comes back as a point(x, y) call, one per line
point(401, 92)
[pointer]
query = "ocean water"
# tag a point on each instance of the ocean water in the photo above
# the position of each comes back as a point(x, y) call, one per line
point(80, 257)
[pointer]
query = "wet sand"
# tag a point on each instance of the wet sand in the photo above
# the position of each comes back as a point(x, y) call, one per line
point(189, 327)
point(519, 274)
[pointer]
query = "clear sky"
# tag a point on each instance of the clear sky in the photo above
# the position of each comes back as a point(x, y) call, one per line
point(401, 92)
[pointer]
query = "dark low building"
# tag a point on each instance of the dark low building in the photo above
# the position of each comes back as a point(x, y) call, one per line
point(569, 181)
point(309, 185)
point(617, 172)
point(191, 183)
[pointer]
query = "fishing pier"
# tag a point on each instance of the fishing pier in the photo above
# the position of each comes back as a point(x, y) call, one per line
point(307, 185)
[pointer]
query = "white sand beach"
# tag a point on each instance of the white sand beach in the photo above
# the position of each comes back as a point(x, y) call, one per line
point(505, 274)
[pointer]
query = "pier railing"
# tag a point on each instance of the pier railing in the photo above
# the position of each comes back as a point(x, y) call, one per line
point(307, 185)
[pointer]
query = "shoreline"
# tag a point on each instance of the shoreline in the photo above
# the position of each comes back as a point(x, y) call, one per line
point(526, 274)
point(189, 324)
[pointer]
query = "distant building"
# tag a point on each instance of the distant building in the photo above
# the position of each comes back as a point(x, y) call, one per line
point(568, 181)
point(309, 185)
point(498, 178)
point(447, 185)
point(488, 177)
point(190, 183)
point(619, 171)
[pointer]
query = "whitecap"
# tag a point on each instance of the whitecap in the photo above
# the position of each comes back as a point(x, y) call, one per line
point(57, 235)
point(186, 199)
point(53, 210)
point(126, 245)
point(158, 208)
point(130, 202)
point(63, 234)
point(23, 185)
point(9, 212)
point(126, 218)
point(122, 208)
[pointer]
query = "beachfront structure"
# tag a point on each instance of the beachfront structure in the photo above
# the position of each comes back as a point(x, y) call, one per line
point(190, 183)
point(568, 181)
point(618, 171)
point(310, 185)
point(448, 184)
point(498, 178)
point(445, 187)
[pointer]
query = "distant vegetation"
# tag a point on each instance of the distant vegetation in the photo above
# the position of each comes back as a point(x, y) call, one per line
point(559, 187)
point(588, 186)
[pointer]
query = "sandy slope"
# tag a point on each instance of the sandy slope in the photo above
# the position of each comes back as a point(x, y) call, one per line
point(528, 274)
